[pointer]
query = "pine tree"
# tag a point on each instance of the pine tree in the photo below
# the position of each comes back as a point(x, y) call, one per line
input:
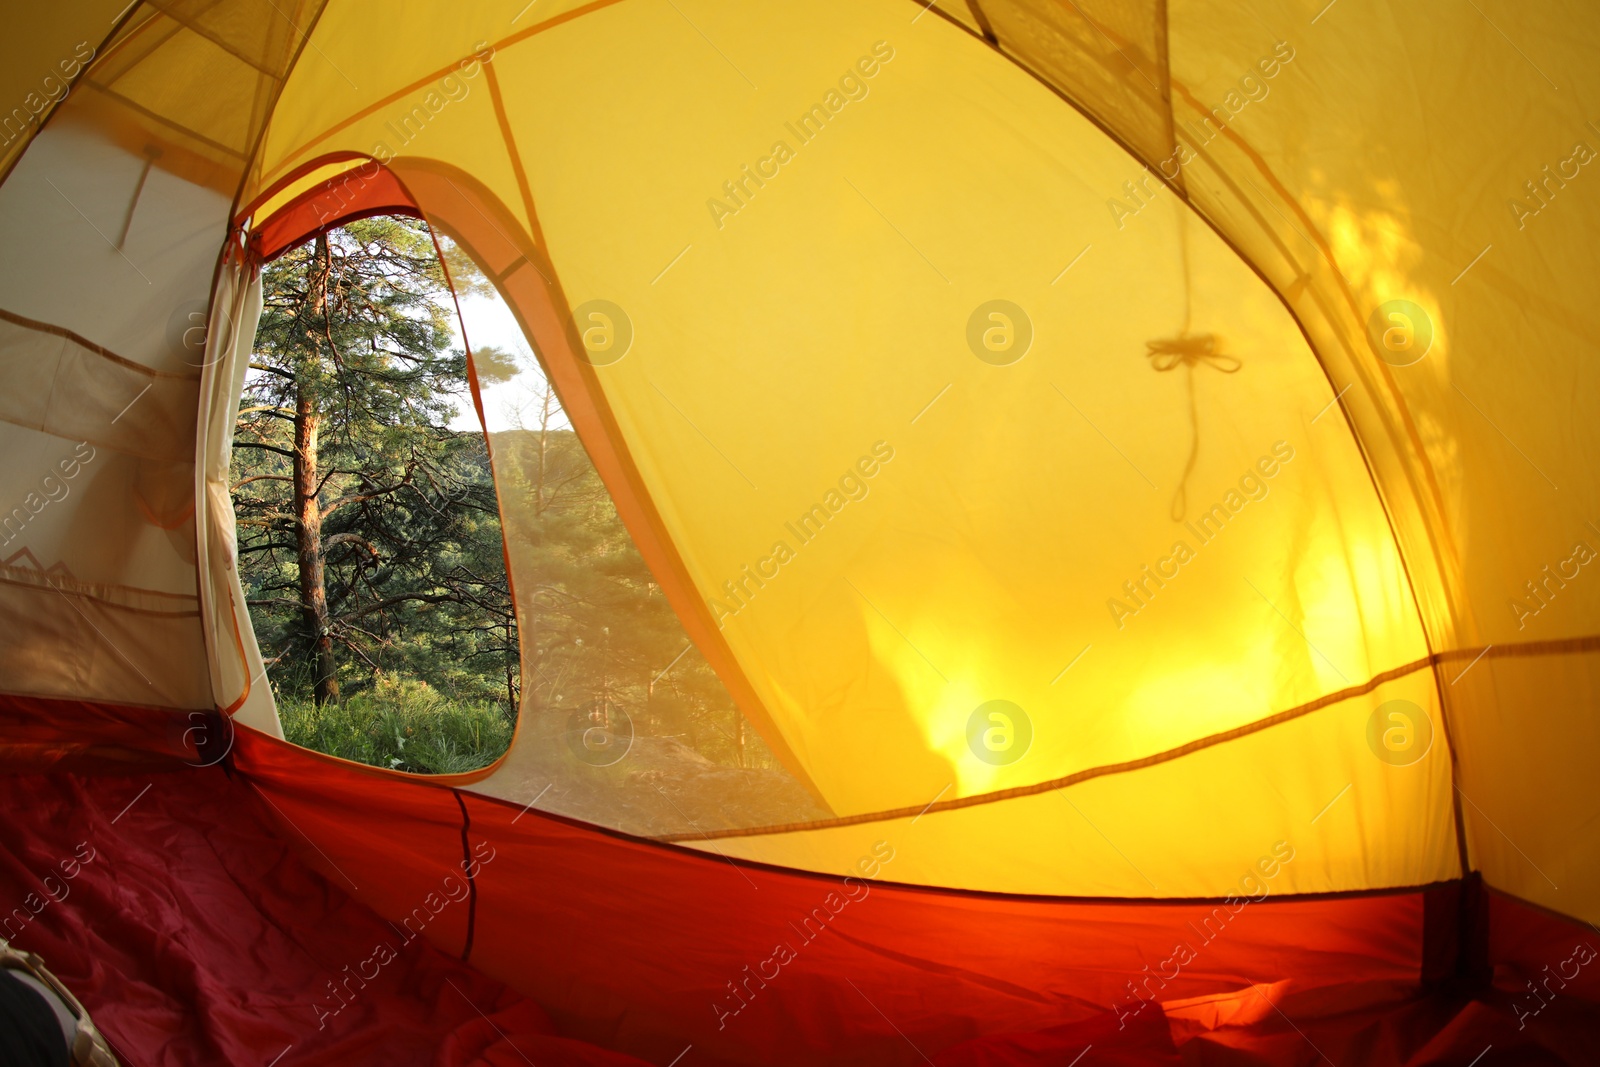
point(369, 532)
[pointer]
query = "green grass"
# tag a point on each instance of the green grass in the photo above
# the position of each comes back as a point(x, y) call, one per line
point(401, 724)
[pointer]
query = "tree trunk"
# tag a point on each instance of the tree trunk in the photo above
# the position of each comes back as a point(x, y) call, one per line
point(546, 401)
point(308, 516)
point(308, 510)
point(531, 619)
point(511, 662)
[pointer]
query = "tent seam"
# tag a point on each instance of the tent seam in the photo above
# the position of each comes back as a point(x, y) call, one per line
point(466, 869)
point(1432, 660)
point(505, 42)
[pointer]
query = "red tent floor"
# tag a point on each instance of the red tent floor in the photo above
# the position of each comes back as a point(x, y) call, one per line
point(202, 916)
point(195, 935)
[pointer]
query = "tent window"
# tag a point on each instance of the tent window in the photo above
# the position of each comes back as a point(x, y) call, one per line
point(369, 536)
point(374, 533)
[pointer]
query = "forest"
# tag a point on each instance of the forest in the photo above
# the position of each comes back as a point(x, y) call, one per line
point(373, 551)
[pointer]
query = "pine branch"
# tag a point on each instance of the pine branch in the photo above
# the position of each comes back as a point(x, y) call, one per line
point(264, 447)
point(260, 478)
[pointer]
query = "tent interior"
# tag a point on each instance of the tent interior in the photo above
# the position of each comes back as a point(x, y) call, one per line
point(1126, 459)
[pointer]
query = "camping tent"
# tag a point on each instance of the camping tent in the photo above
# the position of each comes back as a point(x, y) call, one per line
point(1128, 459)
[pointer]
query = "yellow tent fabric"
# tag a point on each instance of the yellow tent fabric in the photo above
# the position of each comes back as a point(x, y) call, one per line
point(1202, 382)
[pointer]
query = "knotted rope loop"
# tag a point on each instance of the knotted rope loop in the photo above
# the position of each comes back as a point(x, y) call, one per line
point(1170, 353)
